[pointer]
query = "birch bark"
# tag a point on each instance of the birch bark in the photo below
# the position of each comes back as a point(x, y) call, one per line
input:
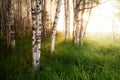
point(55, 27)
point(11, 23)
point(36, 31)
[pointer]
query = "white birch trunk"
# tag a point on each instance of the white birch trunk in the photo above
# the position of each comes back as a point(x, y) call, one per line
point(77, 22)
point(11, 23)
point(38, 30)
point(77, 32)
point(85, 26)
point(33, 5)
point(82, 24)
point(55, 27)
point(74, 21)
point(67, 20)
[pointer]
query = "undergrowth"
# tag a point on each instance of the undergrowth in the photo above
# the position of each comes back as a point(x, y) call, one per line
point(97, 59)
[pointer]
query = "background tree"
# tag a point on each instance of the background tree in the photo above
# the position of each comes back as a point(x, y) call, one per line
point(11, 22)
point(80, 8)
point(67, 19)
point(55, 26)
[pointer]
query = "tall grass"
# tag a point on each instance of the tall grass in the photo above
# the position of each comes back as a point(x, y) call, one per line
point(98, 59)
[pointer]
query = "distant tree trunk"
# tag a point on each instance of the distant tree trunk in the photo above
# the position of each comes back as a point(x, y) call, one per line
point(44, 5)
point(76, 21)
point(55, 27)
point(36, 30)
point(79, 22)
point(28, 15)
point(67, 20)
point(44, 21)
point(82, 24)
point(11, 22)
point(1, 19)
point(85, 26)
point(19, 18)
point(6, 22)
point(51, 7)
point(65, 11)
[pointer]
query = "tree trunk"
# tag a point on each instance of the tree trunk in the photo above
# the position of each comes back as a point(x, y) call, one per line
point(19, 18)
point(11, 22)
point(36, 31)
point(85, 26)
point(82, 24)
point(67, 20)
point(51, 8)
point(44, 5)
point(1, 19)
point(6, 22)
point(55, 27)
point(28, 16)
point(33, 6)
point(76, 21)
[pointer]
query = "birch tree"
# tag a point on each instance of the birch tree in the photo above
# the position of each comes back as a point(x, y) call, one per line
point(36, 31)
point(2, 27)
point(33, 6)
point(11, 28)
point(76, 4)
point(6, 21)
point(82, 22)
point(55, 27)
point(67, 19)
point(28, 2)
point(80, 6)
point(44, 5)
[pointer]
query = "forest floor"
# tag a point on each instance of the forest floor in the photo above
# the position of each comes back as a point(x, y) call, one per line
point(97, 59)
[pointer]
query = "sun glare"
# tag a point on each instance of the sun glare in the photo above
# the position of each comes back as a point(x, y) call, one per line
point(101, 20)
point(85, 16)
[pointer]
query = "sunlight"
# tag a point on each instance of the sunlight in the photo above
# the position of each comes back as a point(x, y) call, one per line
point(85, 16)
point(60, 25)
point(102, 19)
